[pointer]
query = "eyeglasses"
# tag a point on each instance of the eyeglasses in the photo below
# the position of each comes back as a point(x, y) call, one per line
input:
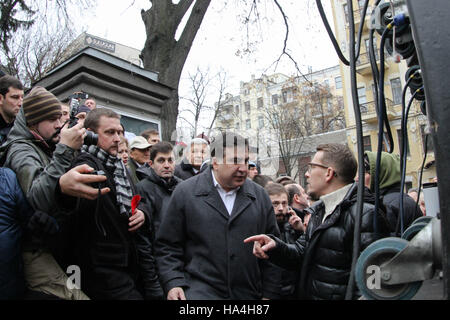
point(312, 164)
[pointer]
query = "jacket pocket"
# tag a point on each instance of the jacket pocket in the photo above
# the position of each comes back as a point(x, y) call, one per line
point(109, 254)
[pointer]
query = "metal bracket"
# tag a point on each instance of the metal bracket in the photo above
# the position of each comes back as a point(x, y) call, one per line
point(419, 260)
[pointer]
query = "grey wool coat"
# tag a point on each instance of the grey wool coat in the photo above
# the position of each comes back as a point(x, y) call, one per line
point(200, 247)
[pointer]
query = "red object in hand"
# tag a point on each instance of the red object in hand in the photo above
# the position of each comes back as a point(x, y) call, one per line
point(134, 203)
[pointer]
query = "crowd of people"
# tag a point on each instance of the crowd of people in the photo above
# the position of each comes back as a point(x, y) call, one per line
point(139, 225)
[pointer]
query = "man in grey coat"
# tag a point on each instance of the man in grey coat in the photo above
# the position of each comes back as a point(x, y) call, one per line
point(199, 246)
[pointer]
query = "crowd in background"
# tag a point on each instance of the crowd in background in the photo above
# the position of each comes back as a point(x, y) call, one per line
point(138, 225)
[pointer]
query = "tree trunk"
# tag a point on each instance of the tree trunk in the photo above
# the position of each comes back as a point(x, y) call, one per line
point(167, 56)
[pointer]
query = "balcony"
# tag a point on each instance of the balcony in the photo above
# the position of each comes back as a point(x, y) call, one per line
point(357, 17)
point(226, 117)
point(363, 63)
point(369, 114)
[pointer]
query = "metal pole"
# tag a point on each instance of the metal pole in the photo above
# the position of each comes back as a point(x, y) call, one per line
point(429, 20)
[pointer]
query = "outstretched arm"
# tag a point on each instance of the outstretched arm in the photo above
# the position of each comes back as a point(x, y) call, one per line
point(261, 244)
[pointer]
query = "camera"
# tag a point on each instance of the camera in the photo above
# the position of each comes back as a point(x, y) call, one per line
point(91, 138)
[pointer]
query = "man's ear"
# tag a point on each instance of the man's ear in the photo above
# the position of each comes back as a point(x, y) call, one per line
point(214, 163)
point(296, 198)
point(150, 163)
point(330, 174)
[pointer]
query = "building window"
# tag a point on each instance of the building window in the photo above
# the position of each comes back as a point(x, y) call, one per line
point(237, 126)
point(367, 143)
point(284, 96)
point(430, 147)
point(326, 82)
point(248, 124)
point(346, 13)
point(275, 99)
point(338, 82)
point(400, 139)
point(247, 106)
point(237, 109)
point(396, 87)
point(260, 102)
point(362, 95)
point(260, 122)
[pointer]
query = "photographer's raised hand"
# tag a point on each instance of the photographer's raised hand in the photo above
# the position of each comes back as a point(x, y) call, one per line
point(76, 182)
point(73, 137)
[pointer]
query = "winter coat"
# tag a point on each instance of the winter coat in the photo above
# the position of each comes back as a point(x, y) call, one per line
point(323, 255)
point(289, 278)
point(14, 214)
point(38, 168)
point(199, 246)
point(4, 129)
point(115, 263)
point(132, 167)
point(156, 193)
point(390, 179)
point(184, 170)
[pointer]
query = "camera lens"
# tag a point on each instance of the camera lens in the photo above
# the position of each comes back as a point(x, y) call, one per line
point(91, 138)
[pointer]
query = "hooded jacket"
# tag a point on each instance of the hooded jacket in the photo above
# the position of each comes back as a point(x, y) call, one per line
point(323, 254)
point(390, 178)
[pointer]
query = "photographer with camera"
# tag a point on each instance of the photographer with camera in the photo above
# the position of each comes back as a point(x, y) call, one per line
point(40, 151)
point(120, 253)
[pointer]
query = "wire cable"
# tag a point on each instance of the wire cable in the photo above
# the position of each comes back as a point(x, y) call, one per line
point(404, 146)
point(421, 169)
point(382, 110)
point(403, 158)
point(358, 122)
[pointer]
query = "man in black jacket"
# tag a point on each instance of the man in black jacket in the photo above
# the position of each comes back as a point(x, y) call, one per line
point(11, 98)
point(112, 250)
point(159, 182)
point(323, 254)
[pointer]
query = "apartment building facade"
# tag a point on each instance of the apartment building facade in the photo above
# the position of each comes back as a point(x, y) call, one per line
point(394, 81)
point(309, 105)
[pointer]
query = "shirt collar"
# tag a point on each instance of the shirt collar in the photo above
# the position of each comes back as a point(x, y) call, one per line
point(331, 200)
point(218, 186)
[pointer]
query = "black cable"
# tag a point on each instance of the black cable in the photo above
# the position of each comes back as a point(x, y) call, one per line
point(333, 38)
point(404, 146)
point(425, 151)
point(361, 26)
point(382, 110)
point(330, 33)
point(360, 194)
point(403, 159)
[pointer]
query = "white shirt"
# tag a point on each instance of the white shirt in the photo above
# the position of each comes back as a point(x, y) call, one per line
point(332, 199)
point(228, 198)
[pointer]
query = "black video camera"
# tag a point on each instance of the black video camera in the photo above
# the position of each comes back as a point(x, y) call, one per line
point(91, 137)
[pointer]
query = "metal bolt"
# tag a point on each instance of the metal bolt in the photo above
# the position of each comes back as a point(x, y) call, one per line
point(385, 275)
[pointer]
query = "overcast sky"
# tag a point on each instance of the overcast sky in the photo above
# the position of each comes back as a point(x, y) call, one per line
point(222, 37)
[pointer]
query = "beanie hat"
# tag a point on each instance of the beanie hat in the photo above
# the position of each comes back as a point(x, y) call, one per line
point(40, 105)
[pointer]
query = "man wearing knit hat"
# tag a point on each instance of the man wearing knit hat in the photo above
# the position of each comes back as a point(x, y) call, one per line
point(39, 151)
